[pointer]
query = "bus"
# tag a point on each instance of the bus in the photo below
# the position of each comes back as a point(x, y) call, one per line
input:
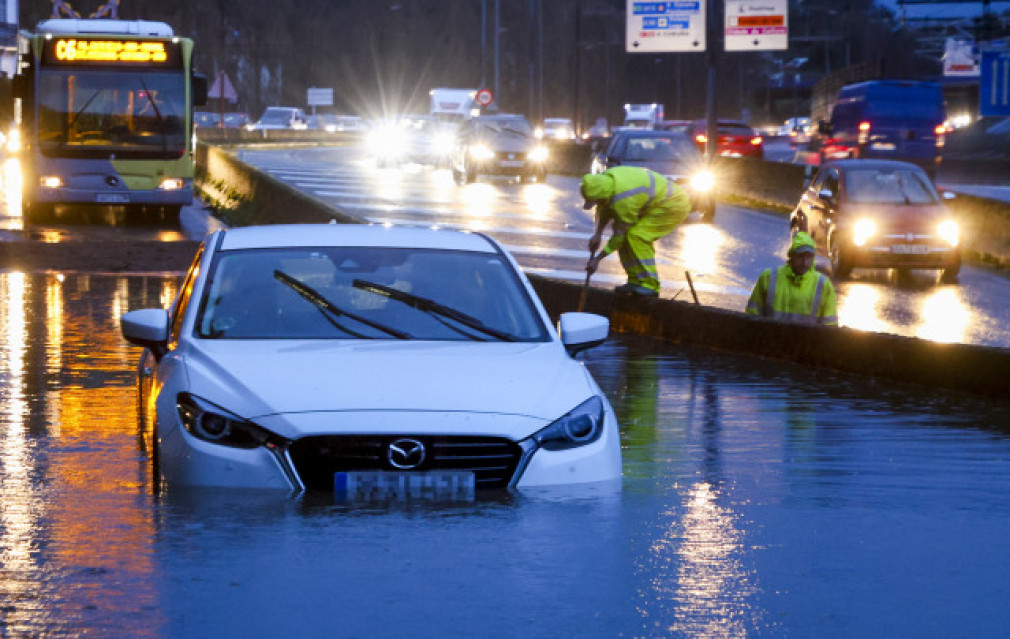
point(105, 109)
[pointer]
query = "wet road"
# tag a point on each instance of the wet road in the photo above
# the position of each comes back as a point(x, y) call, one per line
point(544, 226)
point(759, 499)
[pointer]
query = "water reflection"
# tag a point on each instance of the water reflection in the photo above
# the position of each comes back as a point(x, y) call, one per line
point(858, 308)
point(945, 316)
point(700, 248)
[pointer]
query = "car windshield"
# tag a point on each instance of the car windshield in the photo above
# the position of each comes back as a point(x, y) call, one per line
point(659, 148)
point(366, 293)
point(516, 126)
point(889, 186)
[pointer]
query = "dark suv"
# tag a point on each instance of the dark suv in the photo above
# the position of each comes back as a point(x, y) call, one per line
point(498, 145)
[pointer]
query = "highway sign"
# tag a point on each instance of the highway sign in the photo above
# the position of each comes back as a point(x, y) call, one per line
point(994, 84)
point(757, 25)
point(676, 26)
point(320, 97)
point(484, 97)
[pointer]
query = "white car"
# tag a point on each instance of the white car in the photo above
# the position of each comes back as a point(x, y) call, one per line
point(373, 362)
point(280, 118)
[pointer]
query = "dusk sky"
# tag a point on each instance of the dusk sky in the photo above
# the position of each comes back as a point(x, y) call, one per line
point(945, 10)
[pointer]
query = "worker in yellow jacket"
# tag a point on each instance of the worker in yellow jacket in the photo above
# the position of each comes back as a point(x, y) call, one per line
point(642, 206)
point(795, 292)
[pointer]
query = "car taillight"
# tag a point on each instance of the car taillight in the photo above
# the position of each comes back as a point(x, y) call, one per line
point(941, 131)
point(701, 138)
point(864, 132)
point(756, 141)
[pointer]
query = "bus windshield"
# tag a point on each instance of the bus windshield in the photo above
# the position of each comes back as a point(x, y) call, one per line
point(93, 112)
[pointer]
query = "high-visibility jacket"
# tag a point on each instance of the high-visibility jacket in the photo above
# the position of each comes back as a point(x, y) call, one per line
point(637, 197)
point(805, 299)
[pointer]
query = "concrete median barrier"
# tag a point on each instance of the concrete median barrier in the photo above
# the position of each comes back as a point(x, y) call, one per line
point(974, 369)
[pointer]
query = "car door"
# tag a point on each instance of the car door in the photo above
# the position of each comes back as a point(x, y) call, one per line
point(823, 204)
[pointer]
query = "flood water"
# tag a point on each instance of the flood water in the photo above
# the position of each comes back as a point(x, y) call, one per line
point(758, 499)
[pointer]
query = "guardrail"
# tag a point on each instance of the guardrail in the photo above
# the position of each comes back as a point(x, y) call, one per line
point(975, 369)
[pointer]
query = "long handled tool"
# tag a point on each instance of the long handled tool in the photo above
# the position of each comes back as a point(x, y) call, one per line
point(585, 290)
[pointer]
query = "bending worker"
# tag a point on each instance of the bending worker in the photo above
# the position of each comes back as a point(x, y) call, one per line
point(642, 206)
point(795, 292)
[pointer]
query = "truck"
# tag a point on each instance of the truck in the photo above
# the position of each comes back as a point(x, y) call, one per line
point(643, 116)
point(453, 105)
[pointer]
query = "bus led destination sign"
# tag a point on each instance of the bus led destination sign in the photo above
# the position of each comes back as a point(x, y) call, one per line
point(106, 51)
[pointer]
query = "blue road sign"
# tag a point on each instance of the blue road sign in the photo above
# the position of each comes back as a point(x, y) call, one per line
point(994, 84)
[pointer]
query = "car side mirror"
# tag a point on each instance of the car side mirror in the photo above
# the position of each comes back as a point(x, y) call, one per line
point(147, 327)
point(582, 331)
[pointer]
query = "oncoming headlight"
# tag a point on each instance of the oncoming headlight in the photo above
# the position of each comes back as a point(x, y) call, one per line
point(864, 230)
point(538, 154)
point(481, 152)
point(171, 184)
point(948, 231)
point(213, 424)
point(702, 181)
point(580, 426)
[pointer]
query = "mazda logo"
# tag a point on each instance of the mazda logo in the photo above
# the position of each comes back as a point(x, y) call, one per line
point(112, 180)
point(405, 454)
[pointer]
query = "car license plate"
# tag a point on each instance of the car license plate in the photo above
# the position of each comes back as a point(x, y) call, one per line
point(381, 486)
point(910, 249)
point(512, 164)
point(883, 146)
point(112, 198)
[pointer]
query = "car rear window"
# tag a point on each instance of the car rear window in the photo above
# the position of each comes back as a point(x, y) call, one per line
point(736, 129)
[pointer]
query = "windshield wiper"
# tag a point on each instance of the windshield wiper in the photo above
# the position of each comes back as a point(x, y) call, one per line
point(157, 113)
point(436, 310)
point(324, 304)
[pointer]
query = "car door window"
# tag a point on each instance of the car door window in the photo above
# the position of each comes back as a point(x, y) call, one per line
point(178, 312)
point(831, 183)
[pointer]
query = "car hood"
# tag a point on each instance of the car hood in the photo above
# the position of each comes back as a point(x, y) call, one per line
point(508, 143)
point(665, 167)
point(909, 216)
point(255, 378)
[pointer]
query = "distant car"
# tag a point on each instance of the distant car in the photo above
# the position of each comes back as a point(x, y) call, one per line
point(675, 126)
point(206, 119)
point(498, 145)
point(670, 154)
point(736, 139)
point(235, 120)
point(370, 363)
point(558, 129)
point(332, 123)
point(797, 130)
point(281, 118)
point(879, 214)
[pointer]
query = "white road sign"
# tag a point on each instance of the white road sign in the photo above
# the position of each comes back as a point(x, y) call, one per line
point(665, 27)
point(757, 25)
point(320, 97)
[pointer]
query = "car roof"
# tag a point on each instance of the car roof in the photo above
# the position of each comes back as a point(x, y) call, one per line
point(649, 133)
point(859, 163)
point(307, 235)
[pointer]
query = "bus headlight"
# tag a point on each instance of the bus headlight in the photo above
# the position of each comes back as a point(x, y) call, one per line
point(170, 184)
point(863, 231)
point(702, 181)
point(948, 231)
point(538, 154)
point(51, 181)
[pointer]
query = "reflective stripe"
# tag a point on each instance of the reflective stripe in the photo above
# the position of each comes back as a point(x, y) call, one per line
point(770, 298)
point(647, 262)
point(817, 295)
point(829, 319)
point(651, 190)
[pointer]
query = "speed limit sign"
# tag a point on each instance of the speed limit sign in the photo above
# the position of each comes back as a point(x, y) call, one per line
point(484, 97)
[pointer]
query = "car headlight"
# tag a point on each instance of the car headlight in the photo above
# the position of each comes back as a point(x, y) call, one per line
point(538, 154)
point(171, 184)
point(863, 231)
point(702, 181)
point(213, 424)
point(386, 141)
point(51, 181)
point(481, 152)
point(948, 231)
point(580, 426)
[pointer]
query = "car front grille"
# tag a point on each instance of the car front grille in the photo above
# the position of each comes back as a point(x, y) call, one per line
point(493, 460)
point(510, 155)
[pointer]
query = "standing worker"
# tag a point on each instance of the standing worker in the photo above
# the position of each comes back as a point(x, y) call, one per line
point(643, 206)
point(795, 292)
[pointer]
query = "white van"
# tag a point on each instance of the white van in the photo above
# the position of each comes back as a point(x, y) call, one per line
point(281, 118)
